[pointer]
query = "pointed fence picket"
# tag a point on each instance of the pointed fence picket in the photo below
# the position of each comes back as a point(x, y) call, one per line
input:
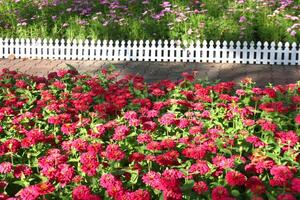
point(165, 51)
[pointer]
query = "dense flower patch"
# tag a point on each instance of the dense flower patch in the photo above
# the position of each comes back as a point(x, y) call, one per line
point(82, 137)
point(264, 20)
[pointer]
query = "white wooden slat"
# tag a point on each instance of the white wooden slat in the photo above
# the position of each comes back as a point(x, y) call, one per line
point(56, 49)
point(204, 51)
point(272, 54)
point(152, 50)
point(298, 63)
point(122, 51)
point(86, 50)
point(251, 53)
point(68, 49)
point(266, 51)
point(198, 51)
point(286, 53)
point(165, 51)
point(111, 47)
point(231, 52)
point(172, 51)
point(211, 52)
point(159, 50)
point(293, 53)
point(258, 53)
point(218, 52)
point(178, 51)
point(39, 48)
point(11, 46)
point(238, 52)
point(74, 50)
point(5, 48)
point(184, 51)
point(93, 50)
point(134, 51)
point(1, 48)
point(146, 51)
point(245, 52)
point(140, 50)
point(98, 50)
point(116, 50)
point(128, 50)
point(224, 57)
point(190, 52)
point(279, 52)
point(17, 48)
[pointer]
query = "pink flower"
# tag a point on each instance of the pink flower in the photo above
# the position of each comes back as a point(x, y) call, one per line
point(168, 119)
point(5, 167)
point(200, 167)
point(144, 138)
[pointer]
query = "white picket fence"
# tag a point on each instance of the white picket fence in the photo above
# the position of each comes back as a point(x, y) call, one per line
point(167, 51)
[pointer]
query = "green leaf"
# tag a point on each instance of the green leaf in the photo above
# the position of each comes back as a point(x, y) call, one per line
point(235, 193)
point(22, 183)
point(188, 185)
point(134, 178)
point(71, 67)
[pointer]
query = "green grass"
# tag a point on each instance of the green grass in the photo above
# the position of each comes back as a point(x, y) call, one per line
point(218, 20)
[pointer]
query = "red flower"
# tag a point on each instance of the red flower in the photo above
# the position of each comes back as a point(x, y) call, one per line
point(83, 192)
point(89, 163)
point(289, 138)
point(196, 153)
point(200, 187)
point(65, 173)
point(282, 172)
point(220, 193)
point(22, 170)
point(195, 130)
point(255, 141)
point(297, 119)
point(234, 178)
point(286, 197)
point(45, 188)
point(255, 185)
point(114, 152)
point(295, 185)
point(136, 157)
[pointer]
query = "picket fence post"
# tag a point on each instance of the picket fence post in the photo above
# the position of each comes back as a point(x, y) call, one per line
point(286, 53)
point(293, 53)
point(5, 48)
point(211, 51)
point(266, 52)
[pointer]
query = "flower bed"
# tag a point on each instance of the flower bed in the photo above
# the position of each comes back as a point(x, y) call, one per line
point(264, 20)
point(82, 137)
